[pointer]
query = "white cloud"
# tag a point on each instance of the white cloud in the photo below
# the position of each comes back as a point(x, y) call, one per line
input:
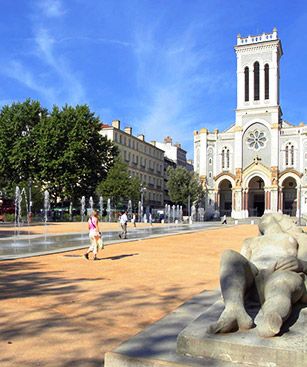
point(52, 77)
point(72, 89)
point(51, 8)
point(171, 76)
point(16, 70)
point(95, 40)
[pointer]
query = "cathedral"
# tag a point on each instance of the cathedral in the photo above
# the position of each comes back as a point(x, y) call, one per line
point(259, 164)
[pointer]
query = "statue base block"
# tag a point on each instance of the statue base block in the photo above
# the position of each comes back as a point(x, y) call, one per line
point(156, 345)
point(178, 341)
point(287, 349)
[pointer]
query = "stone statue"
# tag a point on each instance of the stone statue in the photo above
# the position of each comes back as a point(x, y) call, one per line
point(276, 263)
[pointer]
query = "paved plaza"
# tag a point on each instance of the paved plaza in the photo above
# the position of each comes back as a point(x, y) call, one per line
point(61, 310)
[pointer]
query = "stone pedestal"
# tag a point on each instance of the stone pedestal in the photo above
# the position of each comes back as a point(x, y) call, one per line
point(285, 350)
point(178, 341)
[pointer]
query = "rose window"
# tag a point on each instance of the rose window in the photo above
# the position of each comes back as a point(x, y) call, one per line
point(256, 140)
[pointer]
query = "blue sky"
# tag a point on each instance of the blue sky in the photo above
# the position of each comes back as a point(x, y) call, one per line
point(164, 67)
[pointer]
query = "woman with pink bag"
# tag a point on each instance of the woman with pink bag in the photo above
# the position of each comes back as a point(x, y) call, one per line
point(94, 235)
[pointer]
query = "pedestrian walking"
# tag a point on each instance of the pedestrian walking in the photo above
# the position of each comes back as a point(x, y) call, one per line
point(94, 236)
point(224, 221)
point(123, 223)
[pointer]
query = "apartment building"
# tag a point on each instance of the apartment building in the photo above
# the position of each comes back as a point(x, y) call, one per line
point(173, 151)
point(174, 156)
point(144, 161)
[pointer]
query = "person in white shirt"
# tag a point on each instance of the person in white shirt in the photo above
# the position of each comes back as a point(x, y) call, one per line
point(123, 223)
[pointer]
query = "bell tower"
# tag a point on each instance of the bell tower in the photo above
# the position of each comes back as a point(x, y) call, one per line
point(258, 60)
point(258, 112)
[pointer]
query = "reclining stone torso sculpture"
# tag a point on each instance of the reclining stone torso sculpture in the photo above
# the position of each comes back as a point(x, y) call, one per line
point(276, 262)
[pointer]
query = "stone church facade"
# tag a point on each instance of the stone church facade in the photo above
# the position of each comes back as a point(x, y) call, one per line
point(258, 165)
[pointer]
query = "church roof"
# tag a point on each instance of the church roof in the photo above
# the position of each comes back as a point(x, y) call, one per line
point(230, 129)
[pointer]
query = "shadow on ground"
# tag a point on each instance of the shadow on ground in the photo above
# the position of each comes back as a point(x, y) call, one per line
point(119, 257)
point(78, 316)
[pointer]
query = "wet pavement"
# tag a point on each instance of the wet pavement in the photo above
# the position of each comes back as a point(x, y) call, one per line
point(15, 244)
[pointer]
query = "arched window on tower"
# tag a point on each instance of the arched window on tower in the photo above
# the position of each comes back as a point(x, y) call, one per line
point(256, 81)
point(225, 158)
point(266, 82)
point(289, 155)
point(246, 84)
point(292, 155)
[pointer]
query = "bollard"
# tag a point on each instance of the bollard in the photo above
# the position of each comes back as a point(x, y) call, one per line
point(252, 221)
point(236, 221)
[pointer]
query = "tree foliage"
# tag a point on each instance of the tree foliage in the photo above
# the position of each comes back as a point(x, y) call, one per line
point(182, 184)
point(62, 152)
point(119, 186)
point(17, 143)
point(72, 156)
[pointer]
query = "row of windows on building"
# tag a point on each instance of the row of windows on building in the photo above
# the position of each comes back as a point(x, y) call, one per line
point(151, 181)
point(136, 145)
point(144, 162)
point(256, 75)
point(153, 196)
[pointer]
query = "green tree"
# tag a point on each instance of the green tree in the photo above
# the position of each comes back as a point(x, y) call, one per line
point(183, 184)
point(17, 143)
point(119, 186)
point(73, 157)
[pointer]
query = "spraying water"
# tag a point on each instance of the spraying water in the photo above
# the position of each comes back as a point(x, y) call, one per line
point(180, 214)
point(193, 213)
point(101, 206)
point(140, 211)
point(109, 209)
point(165, 213)
point(17, 206)
point(129, 209)
point(46, 205)
point(82, 208)
point(201, 212)
point(91, 202)
point(173, 213)
point(19, 195)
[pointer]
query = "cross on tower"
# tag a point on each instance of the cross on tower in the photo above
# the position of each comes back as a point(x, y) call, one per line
point(257, 159)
